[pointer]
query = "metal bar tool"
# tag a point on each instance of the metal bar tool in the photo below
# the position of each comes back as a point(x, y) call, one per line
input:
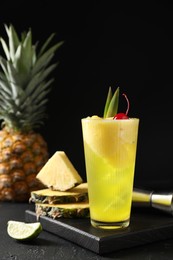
point(159, 200)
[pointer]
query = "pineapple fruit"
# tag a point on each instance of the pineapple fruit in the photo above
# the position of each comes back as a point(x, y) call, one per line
point(66, 195)
point(24, 86)
point(77, 194)
point(56, 211)
point(59, 173)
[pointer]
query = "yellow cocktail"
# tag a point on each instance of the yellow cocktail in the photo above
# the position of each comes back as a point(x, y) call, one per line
point(110, 154)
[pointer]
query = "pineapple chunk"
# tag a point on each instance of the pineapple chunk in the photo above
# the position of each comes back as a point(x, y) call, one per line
point(59, 173)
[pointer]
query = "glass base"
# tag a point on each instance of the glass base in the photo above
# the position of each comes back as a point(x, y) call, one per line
point(110, 225)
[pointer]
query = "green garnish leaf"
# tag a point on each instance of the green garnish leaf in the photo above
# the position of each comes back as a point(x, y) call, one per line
point(111, 106)
point(108, 99)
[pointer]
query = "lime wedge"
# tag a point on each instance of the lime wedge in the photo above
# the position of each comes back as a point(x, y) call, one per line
point(23, 231)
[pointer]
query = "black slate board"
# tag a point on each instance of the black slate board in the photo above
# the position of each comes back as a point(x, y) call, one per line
point(146, 226)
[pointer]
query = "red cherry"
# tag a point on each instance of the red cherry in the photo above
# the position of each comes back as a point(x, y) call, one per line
point(122, 115)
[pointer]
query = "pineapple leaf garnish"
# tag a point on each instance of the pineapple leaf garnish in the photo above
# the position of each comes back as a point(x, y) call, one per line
point(111, 106)
point(108, 99)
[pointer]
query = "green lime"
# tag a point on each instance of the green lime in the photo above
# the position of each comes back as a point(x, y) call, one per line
point(23, 231)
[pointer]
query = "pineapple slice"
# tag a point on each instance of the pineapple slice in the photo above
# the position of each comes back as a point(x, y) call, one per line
point(59, 173)
point(76, 194)
point(56, 211)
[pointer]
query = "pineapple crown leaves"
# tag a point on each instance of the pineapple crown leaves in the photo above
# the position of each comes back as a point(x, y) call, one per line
point(24, 82)
point(111, 105)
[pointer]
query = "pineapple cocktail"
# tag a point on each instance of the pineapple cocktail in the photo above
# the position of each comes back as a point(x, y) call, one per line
point(110, 152)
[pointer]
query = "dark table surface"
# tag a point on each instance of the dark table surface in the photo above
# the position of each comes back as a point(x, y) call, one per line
point(49, 246)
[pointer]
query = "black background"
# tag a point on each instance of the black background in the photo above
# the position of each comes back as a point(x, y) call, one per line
point(107, 44)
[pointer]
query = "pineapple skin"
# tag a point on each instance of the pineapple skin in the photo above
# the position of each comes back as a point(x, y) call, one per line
point(22, 155)
point(57, 212)
point(58, 199)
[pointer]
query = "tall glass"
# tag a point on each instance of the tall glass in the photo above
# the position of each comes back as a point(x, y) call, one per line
point(110, 155)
